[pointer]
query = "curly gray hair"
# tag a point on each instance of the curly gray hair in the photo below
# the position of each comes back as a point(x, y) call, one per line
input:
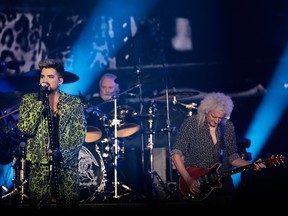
point(215, 101)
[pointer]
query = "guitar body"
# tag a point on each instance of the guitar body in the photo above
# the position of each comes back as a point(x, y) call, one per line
point(207, 178)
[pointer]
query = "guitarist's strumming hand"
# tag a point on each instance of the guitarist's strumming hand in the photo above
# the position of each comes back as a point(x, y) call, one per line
point(193, 185)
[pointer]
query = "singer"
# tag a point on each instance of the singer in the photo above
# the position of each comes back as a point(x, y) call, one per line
point(55, 125)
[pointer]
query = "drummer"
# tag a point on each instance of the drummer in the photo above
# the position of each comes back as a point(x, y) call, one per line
point(108, 89)
point(105, 104)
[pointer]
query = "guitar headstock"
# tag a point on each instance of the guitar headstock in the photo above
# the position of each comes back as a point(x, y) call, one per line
point(275, 160)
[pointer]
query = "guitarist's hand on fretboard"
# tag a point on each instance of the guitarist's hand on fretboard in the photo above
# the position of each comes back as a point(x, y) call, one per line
point(258, 165)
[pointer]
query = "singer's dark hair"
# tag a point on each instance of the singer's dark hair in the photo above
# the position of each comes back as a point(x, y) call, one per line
point(52, 63)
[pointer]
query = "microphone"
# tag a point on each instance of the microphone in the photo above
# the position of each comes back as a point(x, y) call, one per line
point(44, 86)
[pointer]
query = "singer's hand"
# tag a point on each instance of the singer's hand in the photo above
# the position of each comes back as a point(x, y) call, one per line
point(43, 88)
point(40, 96)
point(56, 155)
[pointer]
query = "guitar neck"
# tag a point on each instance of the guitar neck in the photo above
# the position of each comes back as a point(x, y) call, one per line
point(237, 170)
point(270, 160)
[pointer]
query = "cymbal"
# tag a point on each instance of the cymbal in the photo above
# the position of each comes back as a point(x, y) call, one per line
point(10, 99)
point(144, 116)
point(147, 79)
point(180, 94)
point(11, 95)
point(68, 76)
point(11, 83)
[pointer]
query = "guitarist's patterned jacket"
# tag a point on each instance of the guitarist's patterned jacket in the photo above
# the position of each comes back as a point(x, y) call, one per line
point(72, 129)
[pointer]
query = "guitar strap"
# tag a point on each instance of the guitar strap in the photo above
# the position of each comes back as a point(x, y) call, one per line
point(222, 141)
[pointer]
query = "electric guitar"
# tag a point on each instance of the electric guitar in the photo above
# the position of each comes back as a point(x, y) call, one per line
point(209, 179)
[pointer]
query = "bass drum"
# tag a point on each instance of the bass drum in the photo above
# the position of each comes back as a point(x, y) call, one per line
point(92, 173)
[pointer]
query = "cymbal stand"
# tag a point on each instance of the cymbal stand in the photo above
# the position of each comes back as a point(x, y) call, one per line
point(8, 114)
point(153, 173)
point(19, 174)
point(115, 122)
point(150, 145)
point(188, 106)
point(142, 135)
point(168, 123)
point(22, 174)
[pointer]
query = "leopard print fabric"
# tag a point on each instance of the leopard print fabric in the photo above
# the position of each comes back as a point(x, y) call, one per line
point(72, 130)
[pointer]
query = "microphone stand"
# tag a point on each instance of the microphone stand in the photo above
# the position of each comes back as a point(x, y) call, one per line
point(22, 171)
point(19, 174)
point(53, 176)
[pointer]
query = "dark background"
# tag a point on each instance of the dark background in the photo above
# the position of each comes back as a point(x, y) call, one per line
point(237, 45)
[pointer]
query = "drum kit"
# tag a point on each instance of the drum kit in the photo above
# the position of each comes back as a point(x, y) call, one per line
point(104, 142)
point(105, 139)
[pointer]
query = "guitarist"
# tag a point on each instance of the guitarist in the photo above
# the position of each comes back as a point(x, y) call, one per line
point(205, 139)
point(54, 143)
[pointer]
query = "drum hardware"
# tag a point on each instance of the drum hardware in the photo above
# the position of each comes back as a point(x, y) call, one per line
point(107, 149)
point(173, 129)
point(181, 94)
point(8, 114)
point(123, 186)
point(115, 122)
point(127, 125)
point(168, 95)
point(104, 150)
point(150, 145)
point(154, 176)
point(19, 166)
point(120, 148)
point(188, 106)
